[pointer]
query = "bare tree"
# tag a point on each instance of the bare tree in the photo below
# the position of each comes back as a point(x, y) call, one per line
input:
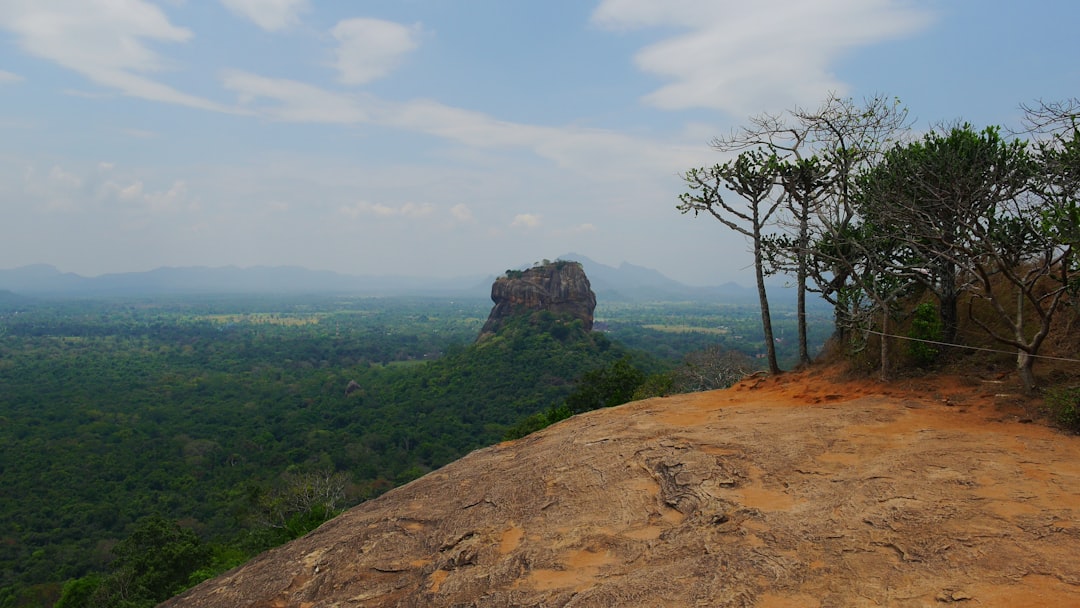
point(711, 369)
point(820, 152)
point(848, 137)
point(1052, 117)
point(315, 493)
point(1019, 257)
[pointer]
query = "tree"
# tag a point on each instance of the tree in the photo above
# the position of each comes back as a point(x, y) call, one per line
point(820, 151)
point(710, 369)
point(1057, 180)
point(1029, 246)
point(302, 501)
point(1019, 257)
point(849, 137)
point(155, 562)
point(805, 181)
point(752, 176)
point(605, 387)
point(934, 196)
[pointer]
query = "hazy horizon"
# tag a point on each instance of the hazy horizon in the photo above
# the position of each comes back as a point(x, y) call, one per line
point(424, 139)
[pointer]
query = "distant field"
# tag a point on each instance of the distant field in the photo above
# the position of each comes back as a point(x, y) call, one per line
point(261, 318)
point(686, 329)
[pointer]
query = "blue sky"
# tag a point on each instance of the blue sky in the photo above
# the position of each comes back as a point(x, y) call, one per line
point(450, 138)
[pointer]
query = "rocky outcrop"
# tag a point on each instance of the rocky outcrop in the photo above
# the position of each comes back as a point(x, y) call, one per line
point(559, 287)
point(777, 492)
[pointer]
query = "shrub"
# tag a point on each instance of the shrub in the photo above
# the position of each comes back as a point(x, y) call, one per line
point(925, 325)
point(1063, 405)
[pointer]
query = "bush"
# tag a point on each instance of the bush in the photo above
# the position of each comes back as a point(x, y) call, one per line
point(537, 421)
point(1063, 405)
point(925, 325)
point(605, 387)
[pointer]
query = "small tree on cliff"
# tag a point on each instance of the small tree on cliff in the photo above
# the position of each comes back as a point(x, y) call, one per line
point(753, 176)
point(938, 197)
point(819, 152)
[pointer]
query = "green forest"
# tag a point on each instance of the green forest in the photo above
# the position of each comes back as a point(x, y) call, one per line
point(219, 426)
point(150, 444)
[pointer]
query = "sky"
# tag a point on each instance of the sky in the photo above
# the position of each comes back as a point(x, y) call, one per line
point(445, 138)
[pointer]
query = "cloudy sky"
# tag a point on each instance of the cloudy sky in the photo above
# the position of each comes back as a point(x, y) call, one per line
point(450, 138)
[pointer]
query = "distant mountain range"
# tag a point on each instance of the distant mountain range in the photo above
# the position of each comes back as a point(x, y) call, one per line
point(627, 283)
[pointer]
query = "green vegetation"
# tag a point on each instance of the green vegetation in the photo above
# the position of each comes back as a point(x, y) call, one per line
point(856, 207)
point(1063, 405)
point(925, 329)
point(213, 428)
point(671, 330)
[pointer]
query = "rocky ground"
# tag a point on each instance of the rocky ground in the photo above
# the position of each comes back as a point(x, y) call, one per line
point(802, 490)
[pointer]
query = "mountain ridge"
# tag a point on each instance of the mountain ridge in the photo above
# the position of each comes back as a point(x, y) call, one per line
point(627, 283)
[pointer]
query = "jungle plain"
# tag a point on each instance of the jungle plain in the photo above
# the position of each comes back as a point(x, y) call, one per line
point(150, 443)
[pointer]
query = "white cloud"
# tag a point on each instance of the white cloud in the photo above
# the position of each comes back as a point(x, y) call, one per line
point(409, 210)
point(295, 101)
point(525, 220)
point(416, 210)
point(748, 57)
point(104, 40)
point(461, 212)
point(130, 193)
point(9, 77)
point(175, 198)
point(270, 15)
point(371, 48)
point(592, 151)
point(91, 188)
point(60, 176)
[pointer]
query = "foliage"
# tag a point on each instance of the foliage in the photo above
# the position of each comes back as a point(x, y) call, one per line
point(605, 387)
point(935, 197)
point(1063, 405)
point(622, 382)
point(925, 325)
point(223, 413)
point(869, 213)
point(156, 561)
point(602, 387)
point(537, 421)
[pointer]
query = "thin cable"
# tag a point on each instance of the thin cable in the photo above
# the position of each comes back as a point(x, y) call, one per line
point(989, 350)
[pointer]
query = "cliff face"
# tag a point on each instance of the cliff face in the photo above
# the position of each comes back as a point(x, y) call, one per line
point(558, 287)
point(794, 491)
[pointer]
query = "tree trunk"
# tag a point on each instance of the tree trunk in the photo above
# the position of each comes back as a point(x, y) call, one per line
point(1024, 363)
point(947, 302)
point(800, 273)
point(763, 300)
point(886, 355)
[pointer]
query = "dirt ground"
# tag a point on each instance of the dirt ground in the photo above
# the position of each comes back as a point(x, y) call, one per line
point(806, 490)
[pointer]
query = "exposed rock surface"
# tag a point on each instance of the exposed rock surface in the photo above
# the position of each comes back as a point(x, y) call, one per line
point(782, 492)
point(560, 287)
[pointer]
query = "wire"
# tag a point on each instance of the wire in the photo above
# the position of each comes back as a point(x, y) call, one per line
point(989, 350)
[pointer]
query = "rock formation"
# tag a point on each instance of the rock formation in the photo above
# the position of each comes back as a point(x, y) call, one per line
point(777, 492)
point(560, 287)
